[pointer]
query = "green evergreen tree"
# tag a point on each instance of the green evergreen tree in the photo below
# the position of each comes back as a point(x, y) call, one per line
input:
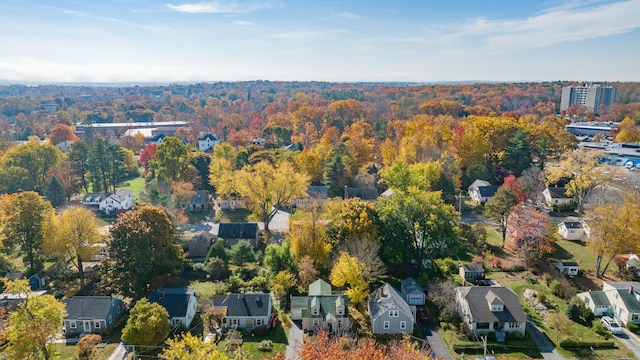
point(518, 152)
point(55, 193)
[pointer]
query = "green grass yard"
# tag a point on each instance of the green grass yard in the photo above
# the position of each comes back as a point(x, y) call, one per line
point(136, 185)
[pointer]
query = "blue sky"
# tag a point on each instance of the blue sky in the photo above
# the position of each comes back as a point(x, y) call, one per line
point(324, 40)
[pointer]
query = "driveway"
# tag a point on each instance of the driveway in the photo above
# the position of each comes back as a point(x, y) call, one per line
point(120, 353)
point(433, 337)
point(631, 341)
point(294, 340)
point(546, 347)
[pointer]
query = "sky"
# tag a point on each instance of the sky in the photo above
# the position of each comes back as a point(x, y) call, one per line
point(320, 40)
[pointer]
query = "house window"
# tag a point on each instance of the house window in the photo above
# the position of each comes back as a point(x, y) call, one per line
point(339, 324)
point(96, 324)
point(176, 322)
point(118, 309)
point(258, 322)
point(403, 325)
point(340, 311)
point(586, 301)
point(110, 319)
point(72, 324)
point(513, 325)
point(316, 322)
point(635, 317)
point(394, 313)
point(482, 326)
point(234, 321)
point(386, 325)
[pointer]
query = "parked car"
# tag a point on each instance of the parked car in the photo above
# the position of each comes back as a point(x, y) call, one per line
point(543, 207)
point(423, 315)
point(611, 324)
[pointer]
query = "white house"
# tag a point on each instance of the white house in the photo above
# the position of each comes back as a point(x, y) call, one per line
point(244, 311)
point(569, 268)
point(623, 301)
point(64, 146)
point(208, 142)
point(181, 304)
point(556, 196)
point(487, 309)
point(230, 204)
point(573, 230)
point(120, 200)
point(481, 191)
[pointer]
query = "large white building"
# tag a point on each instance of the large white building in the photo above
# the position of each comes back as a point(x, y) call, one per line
point(591, 96)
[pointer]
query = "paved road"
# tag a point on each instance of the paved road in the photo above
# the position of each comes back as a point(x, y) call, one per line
point(546, 347)
point(294, 340)
point(631, 341)
point(431, 334)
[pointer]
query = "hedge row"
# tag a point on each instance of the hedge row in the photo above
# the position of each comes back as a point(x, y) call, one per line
point(573, 344)
point(474, 347)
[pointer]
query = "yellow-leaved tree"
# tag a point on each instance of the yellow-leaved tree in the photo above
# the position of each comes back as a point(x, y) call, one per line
point(189, 347)
point(72, 234)
point(349, 271)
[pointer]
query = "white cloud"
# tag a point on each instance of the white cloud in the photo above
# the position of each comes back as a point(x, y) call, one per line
point(244, 22)
point(570, 22)
point(306, 34)
point(219, 7)
point(346, 15)
point(114, 20)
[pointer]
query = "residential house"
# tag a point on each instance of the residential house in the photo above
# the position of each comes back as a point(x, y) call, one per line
point(230, 204)
point(597, 301)
point(234, 232)
point(389, 312)
point(64, 146)
point(321, 309)
point(365, 194)
point(258, 141)
point(556, 196)
point(387, 193)
point(633, 262)
point(14, 275)
point(93, 200)
point(120, 200)
point(244, 311)
point(625, 300)
point(199, 202)
point(315, 195)
point(91, 314)
point(569, 268)
point(471, 272)
point(180, 303)
point(199, 244)
point(208, 142)
point(491, 309)
point(9, 301)
point(481, 191)
point(573, 230)
point(412, 292)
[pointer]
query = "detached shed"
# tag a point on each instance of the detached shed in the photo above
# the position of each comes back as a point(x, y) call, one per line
point(412, 292)
point(471, 272)
point(569, 268)
point(200, 243)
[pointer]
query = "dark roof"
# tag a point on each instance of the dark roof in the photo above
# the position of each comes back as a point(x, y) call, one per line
point(362, 193)
point(558, 192)
point(386, 298)
point(200, 198)
point(410, 285)
point(317, 192)
point(175, 300)
point(238, 230)
point(89, 307)
point(244, 304)
point(568, 263)
point(572, 224)
point(630, 301)
point(209, 136)
point(488, 191)
point(599, 298)
point(478, 298)
point(473, 267)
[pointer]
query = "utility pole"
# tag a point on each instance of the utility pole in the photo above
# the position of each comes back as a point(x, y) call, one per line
point(484, 347)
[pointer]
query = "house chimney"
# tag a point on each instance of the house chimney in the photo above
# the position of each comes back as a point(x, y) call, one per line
point(630, 289)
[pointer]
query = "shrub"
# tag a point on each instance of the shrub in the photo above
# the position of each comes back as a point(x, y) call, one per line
point(542, 297)
point(574, 344)
point(529, 277)
point(477, 259)
point(496, 263)
point(86, 348)
point(265, 346)
point(555, 287)
point(546, 277)
point(234, 334)
point(447, 265)
point(633, 328)
point(599, 329)
point(573, 312)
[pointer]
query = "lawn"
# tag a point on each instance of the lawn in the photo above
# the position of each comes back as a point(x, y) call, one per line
point(576, 251)
point(250, 344)
point(136, 185)
point(233, 216)
point(69, 351)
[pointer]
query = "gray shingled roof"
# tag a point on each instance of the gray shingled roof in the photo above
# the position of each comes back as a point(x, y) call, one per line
point(599, 298)
point(558, 193)
point(238, 230)
point(488, 191)
point(200, 198)
point(175, 300)
point(476, 297)
point(244, 305)
point(362, 193)
point(630, 300)
point(88, 307)
point(410, 285)
point(473, 267)
point(385, 299)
